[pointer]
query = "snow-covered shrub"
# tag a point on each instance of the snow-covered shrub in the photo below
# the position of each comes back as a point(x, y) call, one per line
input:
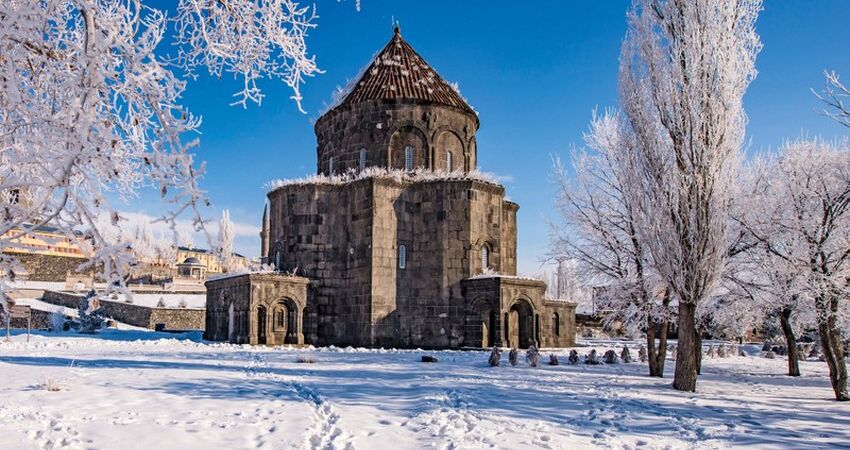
point(611, 357)
point(160, 303)
point(712, 352)
point(90, 313)
point(770, 354)
point(573, 358)
point(182, 303)
point(305, 359)
point(673, 351)
point(592, 358)
point(52, 384)
point(495, 357)
point(626, 355)
point(553, 360)
point(512, 356)
point(532, 356)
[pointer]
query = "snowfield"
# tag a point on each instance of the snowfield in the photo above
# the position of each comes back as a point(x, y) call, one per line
point(129, 389)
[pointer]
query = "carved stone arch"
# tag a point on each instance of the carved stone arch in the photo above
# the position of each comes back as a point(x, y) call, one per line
point(492, 253)
point(446, 138)
point(482, 327)
point(521, 322)
point(408, 134)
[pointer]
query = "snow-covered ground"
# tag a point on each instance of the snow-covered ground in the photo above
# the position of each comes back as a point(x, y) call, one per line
point(144, 390)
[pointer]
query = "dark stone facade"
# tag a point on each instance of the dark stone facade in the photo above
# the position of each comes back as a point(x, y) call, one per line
point(394, 259)
point(266, 309)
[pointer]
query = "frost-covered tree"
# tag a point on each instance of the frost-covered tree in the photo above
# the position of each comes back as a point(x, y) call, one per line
point(685, 66)
point(91, 107)
point(225, 241)
point(598, 231)
point(805, 226)
point(835, 95)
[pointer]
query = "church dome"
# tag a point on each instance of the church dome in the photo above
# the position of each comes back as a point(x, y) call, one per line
point(399, 73)
point(397, 114)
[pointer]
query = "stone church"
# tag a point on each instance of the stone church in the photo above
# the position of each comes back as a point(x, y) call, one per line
point(398, 241)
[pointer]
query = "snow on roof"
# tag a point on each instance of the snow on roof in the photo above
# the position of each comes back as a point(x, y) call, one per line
point(383, 173)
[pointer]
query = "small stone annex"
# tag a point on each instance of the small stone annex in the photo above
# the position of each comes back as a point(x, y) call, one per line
point(398, 240)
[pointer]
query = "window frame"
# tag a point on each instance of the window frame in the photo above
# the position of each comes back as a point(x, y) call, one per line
point(402, 256)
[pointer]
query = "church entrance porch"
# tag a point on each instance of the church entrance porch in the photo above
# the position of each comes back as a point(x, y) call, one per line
point(258, 309)
point(511, 312)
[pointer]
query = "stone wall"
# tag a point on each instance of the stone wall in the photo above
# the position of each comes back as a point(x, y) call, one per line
point(40, 321)
point(385, 128)
point(171, 319)
point(233, 304)
point(346, 239)
point(48, 267)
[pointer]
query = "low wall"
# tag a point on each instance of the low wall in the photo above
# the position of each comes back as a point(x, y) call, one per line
point(40, 321)
point(48, 267)
point(171, 319)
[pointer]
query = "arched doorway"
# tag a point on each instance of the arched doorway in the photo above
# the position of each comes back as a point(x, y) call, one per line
point(285, 323)
point(262, 338)
point(520, 324)
point(482, 325)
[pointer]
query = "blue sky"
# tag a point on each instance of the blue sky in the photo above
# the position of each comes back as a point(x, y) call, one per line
point(534, 71)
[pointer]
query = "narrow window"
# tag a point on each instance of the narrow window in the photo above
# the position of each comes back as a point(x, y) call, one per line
point(277, 260)
point(402, 256)
point(408, 158)
point(362, 160)
point(449, 162)
point(281, 318)
point(556, 324)
point(331, 165)
point(485, 258)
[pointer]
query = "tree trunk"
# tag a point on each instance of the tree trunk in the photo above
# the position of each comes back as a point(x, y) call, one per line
point(656, 355)
point(650, 347)
point(833, 351)
point(698, 350)
point(685, 378)
point(790, 341)
point(661, 355)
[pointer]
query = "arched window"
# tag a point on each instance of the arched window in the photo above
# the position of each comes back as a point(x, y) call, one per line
point(408, 158)
point(331, 165)
point(362, 160)
point(485, 257)
point(402, 256)
point(556, 324)
point(449, 162)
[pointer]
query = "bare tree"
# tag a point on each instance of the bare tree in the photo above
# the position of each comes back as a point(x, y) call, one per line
point(598, 232)
point(90, 105)
point(835, 96)
point(685, 66)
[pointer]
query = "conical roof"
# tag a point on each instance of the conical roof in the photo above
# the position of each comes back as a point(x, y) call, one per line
point(398, 72)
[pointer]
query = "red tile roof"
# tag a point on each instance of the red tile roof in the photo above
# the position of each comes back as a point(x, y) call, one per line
point(398, 72)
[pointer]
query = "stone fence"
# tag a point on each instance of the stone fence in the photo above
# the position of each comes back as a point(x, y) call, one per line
point(165, 319)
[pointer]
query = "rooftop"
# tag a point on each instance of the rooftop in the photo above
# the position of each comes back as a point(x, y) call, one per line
point(398, 72)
